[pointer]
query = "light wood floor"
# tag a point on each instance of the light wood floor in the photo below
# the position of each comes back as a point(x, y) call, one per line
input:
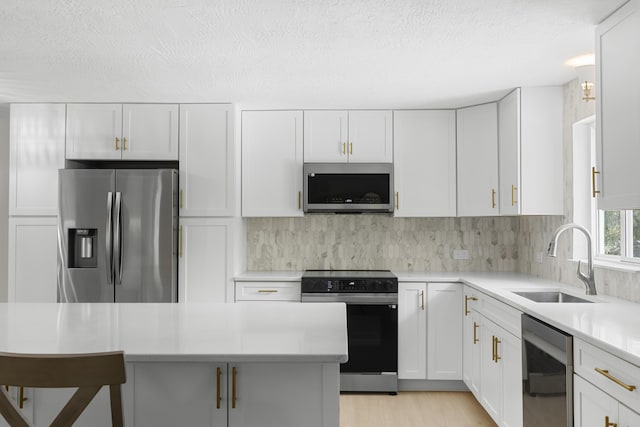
point(413, 409)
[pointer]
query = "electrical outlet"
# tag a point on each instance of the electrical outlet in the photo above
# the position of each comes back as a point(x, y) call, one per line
point(460, 254)
point(538, 257)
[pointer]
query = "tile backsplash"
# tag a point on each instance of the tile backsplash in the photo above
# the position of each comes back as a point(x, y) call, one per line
point(382, 242)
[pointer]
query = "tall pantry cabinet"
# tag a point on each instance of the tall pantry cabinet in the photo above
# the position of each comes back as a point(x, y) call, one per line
point(37, 144)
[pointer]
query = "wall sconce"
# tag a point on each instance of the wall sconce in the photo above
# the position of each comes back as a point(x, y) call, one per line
point(586, 77)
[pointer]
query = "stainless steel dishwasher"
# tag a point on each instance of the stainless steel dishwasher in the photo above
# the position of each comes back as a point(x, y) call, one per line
point(547, 375)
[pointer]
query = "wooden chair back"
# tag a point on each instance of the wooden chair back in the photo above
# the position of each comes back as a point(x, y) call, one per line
point(88, 372)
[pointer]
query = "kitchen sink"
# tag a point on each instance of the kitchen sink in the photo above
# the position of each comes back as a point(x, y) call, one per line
point(550, 296)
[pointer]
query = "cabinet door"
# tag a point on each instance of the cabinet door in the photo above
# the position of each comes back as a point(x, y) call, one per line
point(180, 394)
point(477, 130)
point(424, 147)
point(27, 403)
point(509, 351)
point(33, 262)
point(370, 137)
point(271, 163)
point(284, 394)
point(412, 330)
point(36, 153)
point(205, 260)
point(627, 417)
point(94, 131)
point(206, 160)
point(150, 132)
point(325, 137)
point(444, 331)
point(617, 108)
point(491, 371)
point(509, 152)
point(471, 356)
point(591, 405)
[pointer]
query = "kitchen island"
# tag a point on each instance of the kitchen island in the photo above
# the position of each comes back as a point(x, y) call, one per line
point(194, 364)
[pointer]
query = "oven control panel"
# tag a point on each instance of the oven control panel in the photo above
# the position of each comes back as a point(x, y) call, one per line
point(349, 285)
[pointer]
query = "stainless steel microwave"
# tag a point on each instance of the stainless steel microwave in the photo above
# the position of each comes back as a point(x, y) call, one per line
point(348, 187)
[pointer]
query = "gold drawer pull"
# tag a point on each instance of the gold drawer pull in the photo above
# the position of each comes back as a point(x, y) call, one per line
point(234, 396)
point(422, 300)
point(593, 182)
point(475, 332)
point(608, 423)
point(267, 291)
point(117, 146)
point(497, 354)
point(218, 394)
point(466, 304)
point(606, 373)
point(493, 198)
point(513, 195)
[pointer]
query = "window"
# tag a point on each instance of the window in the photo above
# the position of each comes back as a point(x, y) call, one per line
point(618, 234)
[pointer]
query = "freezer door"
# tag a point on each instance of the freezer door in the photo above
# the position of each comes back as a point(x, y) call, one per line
point(145, 235)
point(84, 262)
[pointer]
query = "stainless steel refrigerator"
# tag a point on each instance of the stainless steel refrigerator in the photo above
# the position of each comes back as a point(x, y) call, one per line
point(117, 235)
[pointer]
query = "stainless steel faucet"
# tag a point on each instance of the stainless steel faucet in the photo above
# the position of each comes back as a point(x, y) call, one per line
point(587, 279)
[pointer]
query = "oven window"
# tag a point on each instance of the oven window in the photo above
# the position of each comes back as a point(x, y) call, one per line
point(373, 338)
point(337, 188)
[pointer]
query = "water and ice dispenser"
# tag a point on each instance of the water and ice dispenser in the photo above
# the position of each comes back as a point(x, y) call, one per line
point(83, 248)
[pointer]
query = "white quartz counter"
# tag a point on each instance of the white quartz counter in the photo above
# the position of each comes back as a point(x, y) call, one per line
point(274, 332)
point(609, 323)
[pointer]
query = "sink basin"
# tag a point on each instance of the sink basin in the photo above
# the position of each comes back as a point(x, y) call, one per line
point(550, 296)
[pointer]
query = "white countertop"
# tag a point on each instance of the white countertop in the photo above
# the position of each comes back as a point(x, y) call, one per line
point(269, 276)
point(273, 332)
point(610, 323)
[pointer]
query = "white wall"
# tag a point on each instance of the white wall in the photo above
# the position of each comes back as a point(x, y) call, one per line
point(4, 197)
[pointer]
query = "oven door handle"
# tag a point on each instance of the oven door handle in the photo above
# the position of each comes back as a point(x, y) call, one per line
point(362, 299)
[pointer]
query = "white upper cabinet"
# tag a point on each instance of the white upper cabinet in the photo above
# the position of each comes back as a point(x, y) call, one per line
point(424, 146)
point(618, 108)
point(117, 132)
point(348, 136)
point(271, 163)
point(206, 160)
point(530, 151)
point(36, 153)
point(477, 132)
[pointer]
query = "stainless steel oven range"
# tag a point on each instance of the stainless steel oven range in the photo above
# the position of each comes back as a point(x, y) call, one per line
point(372, 324)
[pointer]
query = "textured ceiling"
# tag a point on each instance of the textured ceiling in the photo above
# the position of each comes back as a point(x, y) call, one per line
point(290, 53)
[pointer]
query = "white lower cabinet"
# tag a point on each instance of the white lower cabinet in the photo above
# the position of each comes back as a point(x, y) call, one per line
point(595, 408)
point(256, 291)
point(169, 394)
point(238, 395)
point(33, 260)
point(429, 331)
point(444, 331)
point(205, 260)
point(412, 330)
point(492, 365)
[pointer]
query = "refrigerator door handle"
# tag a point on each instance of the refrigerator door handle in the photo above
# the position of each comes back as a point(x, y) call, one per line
point(117, 252)
point(108, 239)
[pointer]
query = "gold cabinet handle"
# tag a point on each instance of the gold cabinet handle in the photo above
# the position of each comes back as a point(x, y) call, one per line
point(181, 200)
point(267, 291)
point(493, 348)
point(117, 146)
point(397, 200)
point(422, 300)
point(608, 423)
point(475, 332)
point(606, 373)
point(181, 239)
point(493, 198)
point(234, 374)
point(22, 398)
point(299, 199)
point(350, 148)
point(124, 143)
point(344, 148)
point(497, 353)
point(513, 195)
point(218, 395)
point(466, 304)
point(593, 182)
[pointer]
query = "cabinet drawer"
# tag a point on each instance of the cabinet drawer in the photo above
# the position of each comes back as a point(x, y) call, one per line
point(591, 363)
point(502, 314)
point(268, 291)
